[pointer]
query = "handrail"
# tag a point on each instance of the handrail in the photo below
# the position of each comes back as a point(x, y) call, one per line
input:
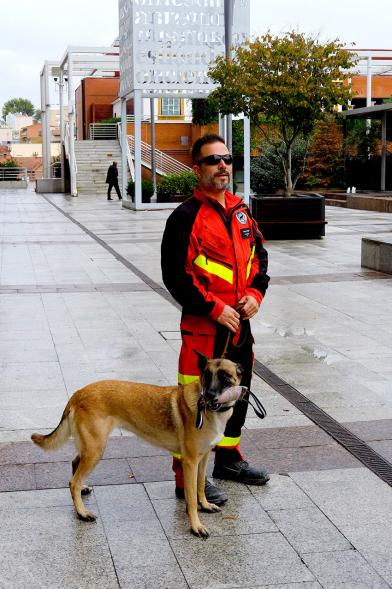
point(103, 131)
point(125, 144)
point(165, 164)
point(13, 173)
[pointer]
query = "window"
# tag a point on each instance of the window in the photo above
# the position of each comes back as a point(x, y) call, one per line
point(170, 107)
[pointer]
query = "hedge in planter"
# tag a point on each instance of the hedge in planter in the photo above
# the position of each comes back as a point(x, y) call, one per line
point(176, 187)
point(147, 190)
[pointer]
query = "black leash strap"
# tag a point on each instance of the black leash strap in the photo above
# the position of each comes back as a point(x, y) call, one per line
point(258, 407)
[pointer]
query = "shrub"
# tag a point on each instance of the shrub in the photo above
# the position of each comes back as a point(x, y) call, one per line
point(4, 175)
point(267, 170)
point(147, 190)
point(172, 186)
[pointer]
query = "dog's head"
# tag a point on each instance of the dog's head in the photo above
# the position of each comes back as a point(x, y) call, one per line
point(217, 376)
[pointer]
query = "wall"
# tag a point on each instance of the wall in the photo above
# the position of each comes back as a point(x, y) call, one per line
point(94, 98)
point(381, 86)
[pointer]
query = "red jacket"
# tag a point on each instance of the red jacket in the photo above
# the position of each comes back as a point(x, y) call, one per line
point(212, 257)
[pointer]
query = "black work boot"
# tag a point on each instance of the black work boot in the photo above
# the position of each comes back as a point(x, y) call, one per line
point(213, 494)
point(231, 466)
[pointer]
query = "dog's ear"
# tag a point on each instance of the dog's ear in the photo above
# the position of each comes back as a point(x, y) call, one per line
point(201, 361)
point(240, 370)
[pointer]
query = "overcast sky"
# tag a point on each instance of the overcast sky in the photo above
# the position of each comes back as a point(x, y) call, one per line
point(32, 32)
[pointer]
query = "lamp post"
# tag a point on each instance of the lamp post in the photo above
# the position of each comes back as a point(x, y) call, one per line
point(229, 8)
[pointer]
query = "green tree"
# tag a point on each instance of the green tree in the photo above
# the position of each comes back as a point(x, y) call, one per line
point(286, 82)
point(18, 105)
point(204, 111)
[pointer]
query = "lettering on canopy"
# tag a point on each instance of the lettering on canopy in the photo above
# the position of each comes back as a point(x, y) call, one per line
point(168, 45)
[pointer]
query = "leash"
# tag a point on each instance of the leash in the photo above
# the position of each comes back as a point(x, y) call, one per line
point(230, 334)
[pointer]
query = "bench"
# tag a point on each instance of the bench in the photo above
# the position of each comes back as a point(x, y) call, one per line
point(376, 253)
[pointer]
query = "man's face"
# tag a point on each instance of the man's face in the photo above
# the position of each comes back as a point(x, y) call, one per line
point(213, 178)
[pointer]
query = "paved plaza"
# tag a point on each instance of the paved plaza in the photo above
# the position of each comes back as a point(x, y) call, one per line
point(82, 299)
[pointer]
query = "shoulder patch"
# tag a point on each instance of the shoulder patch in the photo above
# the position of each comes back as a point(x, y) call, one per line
point(241, 217)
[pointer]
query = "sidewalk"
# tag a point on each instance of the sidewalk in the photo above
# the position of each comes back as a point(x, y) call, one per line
point(81, 299)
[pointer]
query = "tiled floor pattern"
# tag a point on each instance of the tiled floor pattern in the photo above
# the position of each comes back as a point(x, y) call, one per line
point(322, 521)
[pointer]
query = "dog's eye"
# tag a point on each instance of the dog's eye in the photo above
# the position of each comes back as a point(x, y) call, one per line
point(224, 377)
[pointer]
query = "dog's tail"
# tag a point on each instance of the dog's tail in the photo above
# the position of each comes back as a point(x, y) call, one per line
point(58, 436)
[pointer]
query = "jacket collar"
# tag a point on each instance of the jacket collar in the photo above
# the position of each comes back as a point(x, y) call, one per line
point(231, 200)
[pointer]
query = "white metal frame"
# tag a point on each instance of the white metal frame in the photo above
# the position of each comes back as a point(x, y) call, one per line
point(132, 87)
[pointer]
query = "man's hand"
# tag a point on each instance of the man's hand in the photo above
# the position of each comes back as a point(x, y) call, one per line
point(250, 308)
point(229, 318)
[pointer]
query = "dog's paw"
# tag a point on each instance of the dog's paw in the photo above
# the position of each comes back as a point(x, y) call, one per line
point(200, 531)
point(87, 517)
point(86, 490)
point(209, 508)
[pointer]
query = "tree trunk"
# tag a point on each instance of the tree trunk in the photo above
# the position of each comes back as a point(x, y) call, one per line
point(289, 180)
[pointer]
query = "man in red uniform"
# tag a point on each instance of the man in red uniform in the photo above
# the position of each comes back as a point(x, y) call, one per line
point(213, 259)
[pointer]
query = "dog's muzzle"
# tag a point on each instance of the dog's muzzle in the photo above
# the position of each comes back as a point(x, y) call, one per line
point(218, 403)
point(225, 401)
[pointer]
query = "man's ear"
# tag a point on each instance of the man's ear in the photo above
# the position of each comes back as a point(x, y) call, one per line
point(196, 170)
point(201, 361)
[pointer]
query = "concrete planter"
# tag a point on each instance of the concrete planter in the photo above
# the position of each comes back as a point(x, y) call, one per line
point(13, 184)
point(294, 217)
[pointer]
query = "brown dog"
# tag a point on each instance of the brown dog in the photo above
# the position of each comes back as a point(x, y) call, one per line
point(182, 419)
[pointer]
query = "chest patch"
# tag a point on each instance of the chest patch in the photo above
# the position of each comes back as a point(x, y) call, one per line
point(242, 218)
point(245, 233)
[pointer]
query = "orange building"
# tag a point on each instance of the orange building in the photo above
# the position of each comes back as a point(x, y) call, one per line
point(98, 99)
point(94, 102)
point(31, 134)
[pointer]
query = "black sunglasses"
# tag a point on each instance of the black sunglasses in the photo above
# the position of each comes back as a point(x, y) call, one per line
point(214, 159)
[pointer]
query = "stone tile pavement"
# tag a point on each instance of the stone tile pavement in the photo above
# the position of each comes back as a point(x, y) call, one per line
point(81, 299)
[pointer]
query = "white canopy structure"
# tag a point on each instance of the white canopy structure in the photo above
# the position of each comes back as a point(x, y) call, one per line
point(77, 62)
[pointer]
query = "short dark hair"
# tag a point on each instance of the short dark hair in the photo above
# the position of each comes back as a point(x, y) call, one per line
point(204, 140)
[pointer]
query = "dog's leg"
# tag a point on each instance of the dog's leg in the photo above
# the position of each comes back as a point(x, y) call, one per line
point(189, 465)
point(201, 485)
point(86, 464)
point(75, 463)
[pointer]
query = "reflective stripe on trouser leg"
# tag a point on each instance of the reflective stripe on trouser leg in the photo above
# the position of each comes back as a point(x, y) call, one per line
point(229, 443)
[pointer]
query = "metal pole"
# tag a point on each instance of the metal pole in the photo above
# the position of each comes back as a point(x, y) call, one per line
point(369, 95)
point(61, 104)
point(229, 9)
point(71, 122)
point(153, 153)
point(124, 140)
point(47, 123)
point(246, 160)
point(369, 82)
point(43, 123)
point(137, 101)
point(221, 123)
point(383, 149)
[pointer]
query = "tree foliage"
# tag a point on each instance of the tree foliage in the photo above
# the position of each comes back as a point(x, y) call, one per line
point(204, 111)
point(289, 81)
point(267, 174)
point(18, 105)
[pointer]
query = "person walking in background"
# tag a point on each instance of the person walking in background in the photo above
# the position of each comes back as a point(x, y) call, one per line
point(215, 266)
point(112, 180)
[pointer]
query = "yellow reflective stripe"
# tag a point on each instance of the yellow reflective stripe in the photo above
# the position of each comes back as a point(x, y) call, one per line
point(175, 455)
point(186, 378)
point(214, 268)
point(252, 254)
point(225, 442)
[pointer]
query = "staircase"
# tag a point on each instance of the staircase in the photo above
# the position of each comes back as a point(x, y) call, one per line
point(94, 157)
point(92, 160)
point(165, 164)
